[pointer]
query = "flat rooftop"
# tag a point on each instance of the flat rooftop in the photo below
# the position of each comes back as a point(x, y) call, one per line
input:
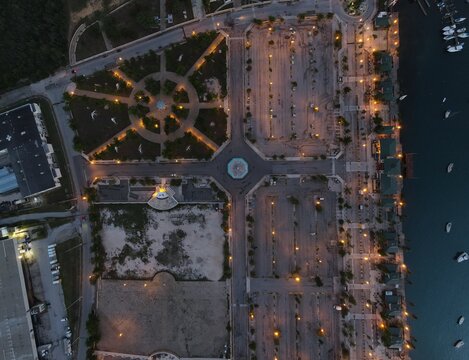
point(16, 331)
point(19, 135)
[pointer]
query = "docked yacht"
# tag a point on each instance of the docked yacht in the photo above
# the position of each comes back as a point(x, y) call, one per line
point(458, 344)
point(447, 112)
point(452, 31)
point(460, 320)
point(462, 257)
point(463, 35)
point(448, 227)
point(449, 27)
point(459, 20)
point(453, 49)
point(450, 167)
point(449, 37)
point(402, 97)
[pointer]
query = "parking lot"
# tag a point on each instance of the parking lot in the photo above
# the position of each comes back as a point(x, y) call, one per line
point(52, 324)
point(292, 266)
point(289, 88)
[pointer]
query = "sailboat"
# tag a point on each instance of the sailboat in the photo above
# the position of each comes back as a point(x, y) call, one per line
point(449, 27)
point(448, 227)
point(444, 99)
point(402, 97)
point(447, 113)
point(450, 167)
point(459, 20)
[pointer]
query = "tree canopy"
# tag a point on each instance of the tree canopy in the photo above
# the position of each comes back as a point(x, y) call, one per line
point(33, 40)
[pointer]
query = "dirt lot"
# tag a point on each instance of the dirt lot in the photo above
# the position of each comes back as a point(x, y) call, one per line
point(140, 241)
point(187, 318)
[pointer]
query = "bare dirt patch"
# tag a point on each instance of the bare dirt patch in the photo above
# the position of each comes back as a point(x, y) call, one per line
point(186, 241)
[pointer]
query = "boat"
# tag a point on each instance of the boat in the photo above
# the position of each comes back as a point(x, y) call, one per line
point(447, 112)
point(460, 320)
point(448, 227)
point(402, 97)
point(449, 32)
point(459, 20)
point(460, 31)
point(458, 344)
point(450, 167)
point(449, 37)
point(449, 27)
point(453, 49)
point(462, 257)
point(444, 99)
point(463, 35)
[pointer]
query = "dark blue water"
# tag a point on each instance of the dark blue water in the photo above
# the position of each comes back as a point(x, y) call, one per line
point(440, 286)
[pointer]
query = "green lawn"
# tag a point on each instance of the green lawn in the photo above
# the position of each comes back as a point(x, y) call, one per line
point(133, 21)
point(181, 57)
point(138, 67)
point(128, 149)
point(90, 43)
point(93, 133)
point(181, 96)
point(151, 124)
point(171, 125)
point(213, 123)
point(152, 86)
point(69, 257)
point(213, 67)
point(187, 147)
point(105, 82)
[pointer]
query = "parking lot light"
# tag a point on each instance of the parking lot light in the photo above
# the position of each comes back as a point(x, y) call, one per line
point(277, 333)
point(120, 334)
point(145, 285)
point(273, 232)
point(297, 279)
point(297, 248)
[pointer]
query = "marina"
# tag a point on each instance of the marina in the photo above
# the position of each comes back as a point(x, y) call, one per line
point(435, 81)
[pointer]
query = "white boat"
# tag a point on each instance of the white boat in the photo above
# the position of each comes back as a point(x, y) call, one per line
point(449, 37)
point(462, 257)
point(460, 31)
point(402, 97)
point(459, 20)
point(458, 344)
point(453, 49)
point(449, 27)
point(450, 167)
point(449, 32)
point(444, 99)
point(448, 227)
point(447, 112)
point(460, 320)
point(463, 35)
